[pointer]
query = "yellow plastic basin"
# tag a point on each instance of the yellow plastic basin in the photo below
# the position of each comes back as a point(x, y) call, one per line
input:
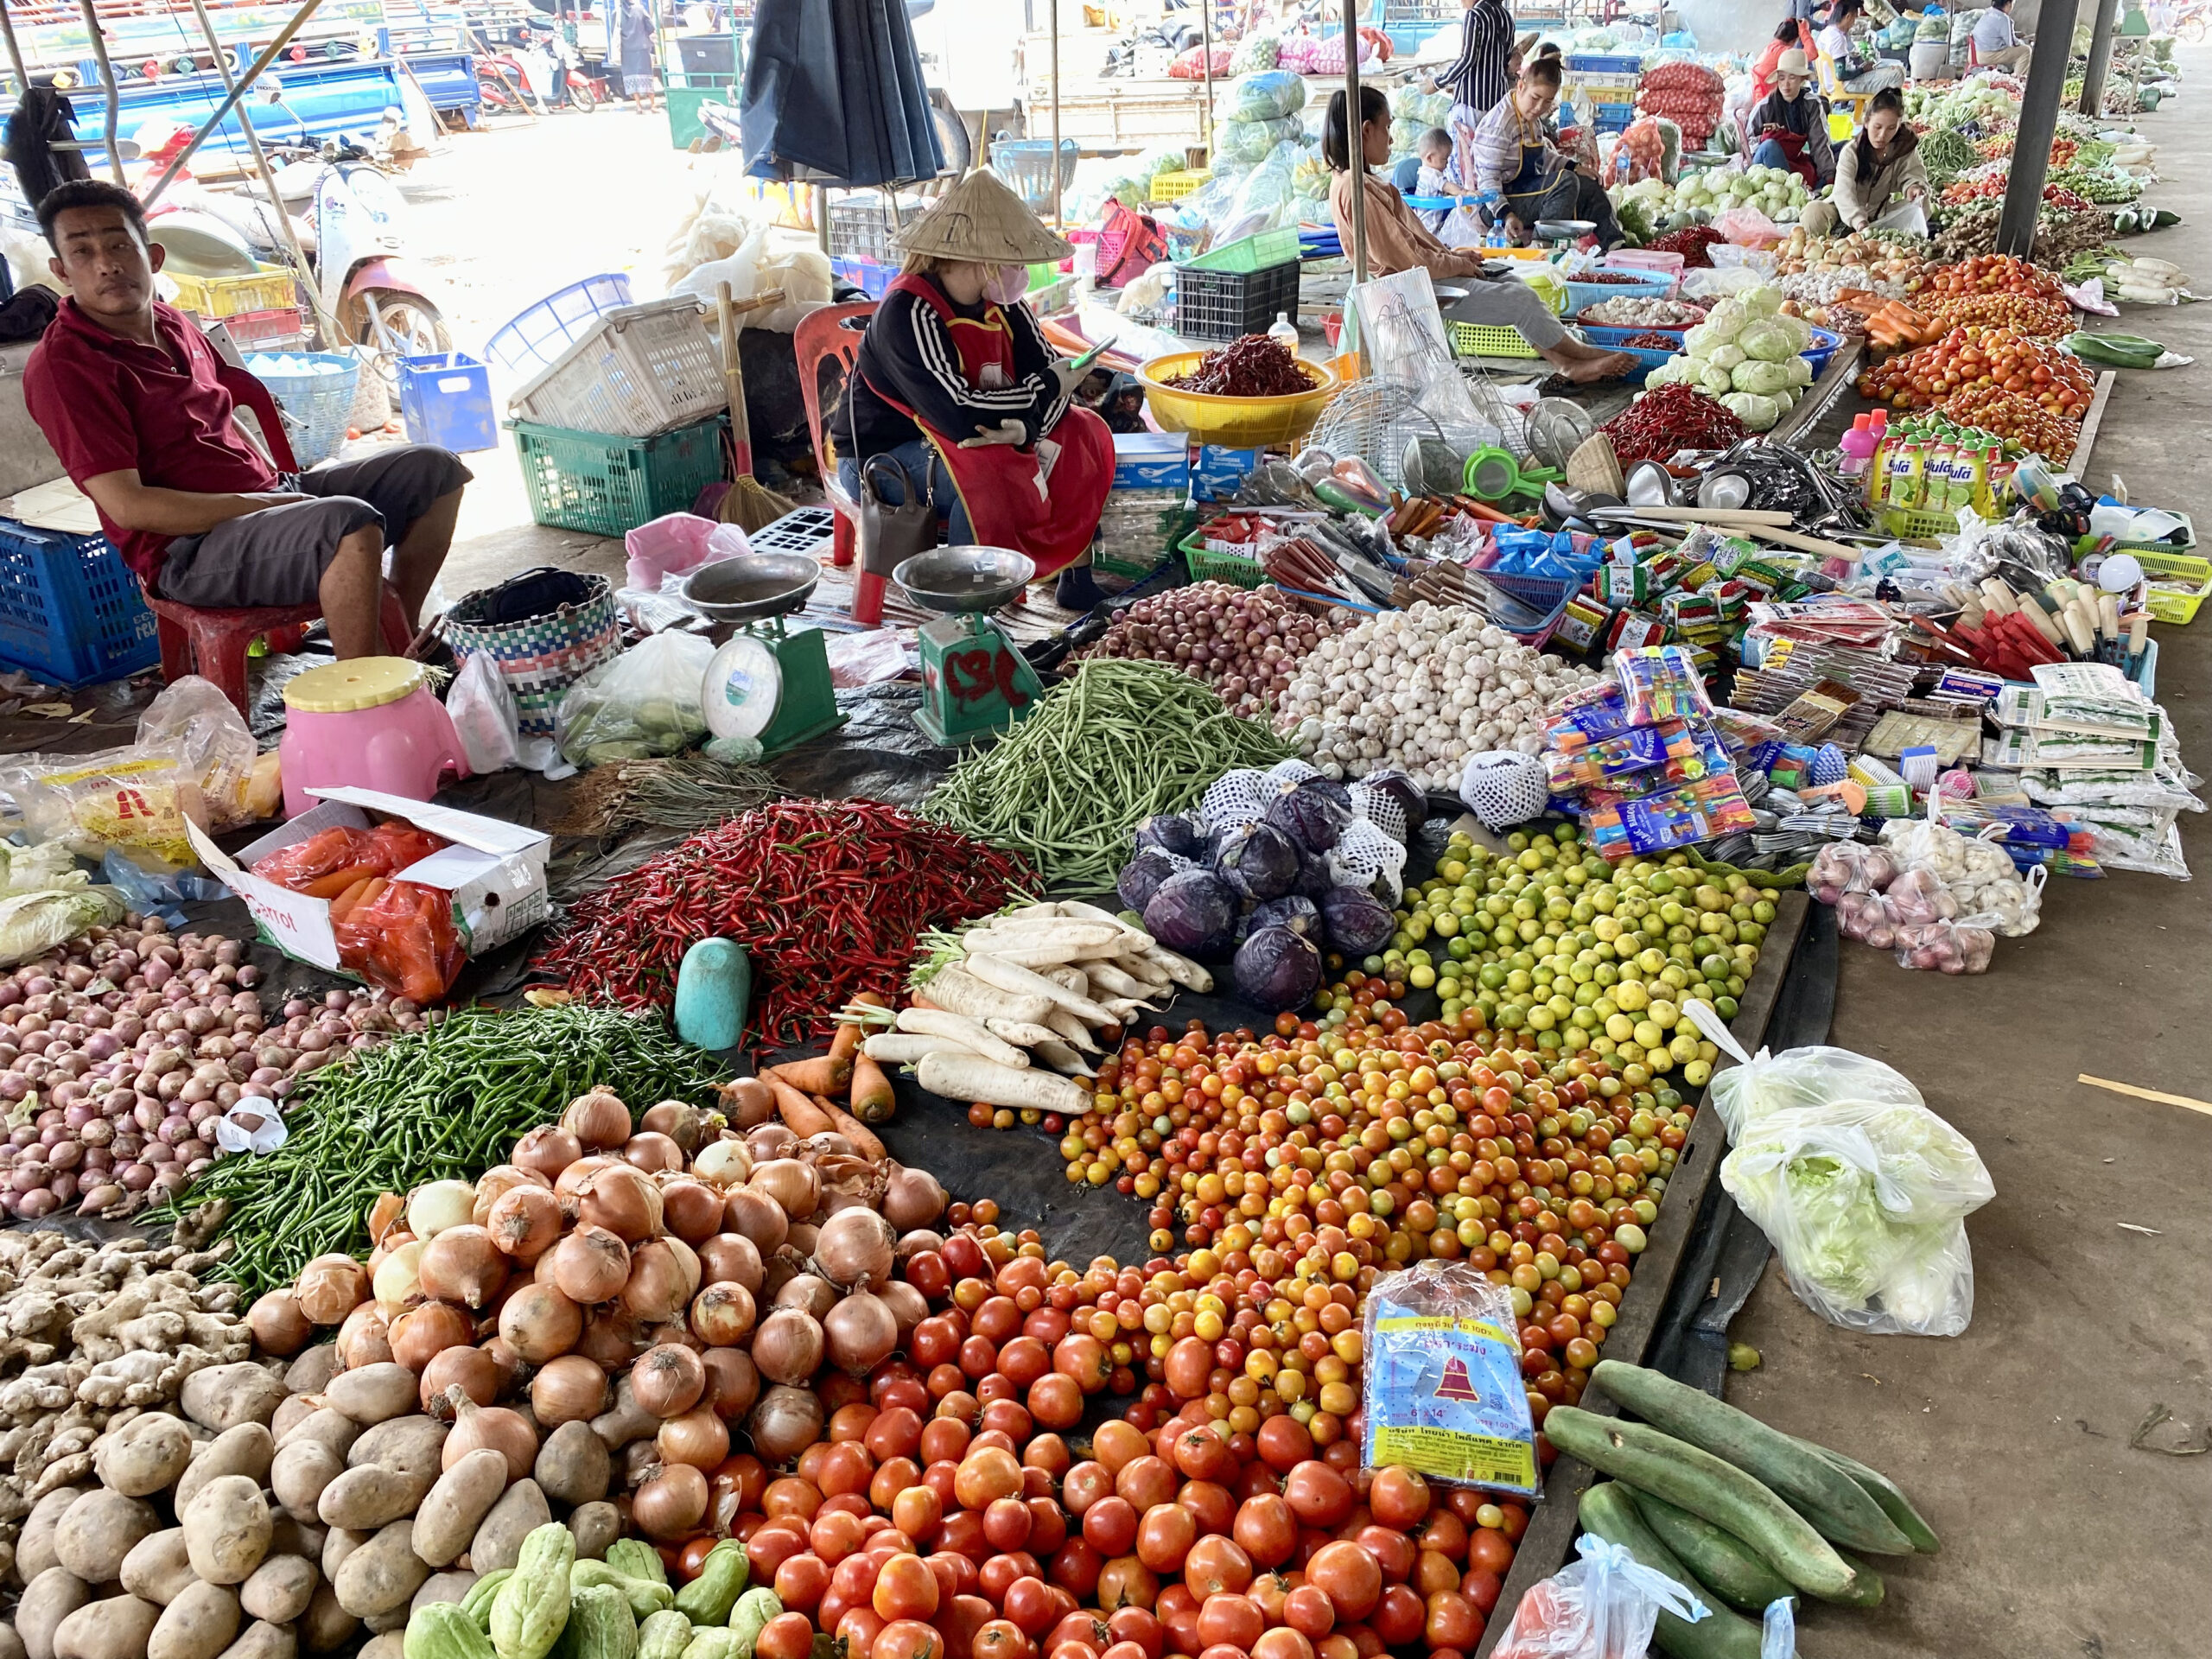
point(1234, 422)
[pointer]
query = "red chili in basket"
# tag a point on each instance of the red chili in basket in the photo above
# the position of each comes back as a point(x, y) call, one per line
point(1652, 341)
point(1692, 241)
point(1668, 418)
point(827, 897)
point(1252, 366)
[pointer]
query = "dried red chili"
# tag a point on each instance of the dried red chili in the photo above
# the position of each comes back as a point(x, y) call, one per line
point(1668, 418)
point(1253, 365)
point(1652, 341)
point(1692, 241)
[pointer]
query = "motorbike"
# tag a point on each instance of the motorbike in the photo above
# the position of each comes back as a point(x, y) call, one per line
point(537, 76)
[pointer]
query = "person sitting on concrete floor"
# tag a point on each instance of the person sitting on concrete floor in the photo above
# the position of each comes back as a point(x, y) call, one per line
point(1996, 44)
point(1880, 172)
point(125, 387)
point(1518, 165)
point(1855, 73)
point(1789, 127)
point(1398, 241)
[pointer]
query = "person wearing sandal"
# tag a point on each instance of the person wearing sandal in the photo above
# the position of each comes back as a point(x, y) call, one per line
point(1398, 241)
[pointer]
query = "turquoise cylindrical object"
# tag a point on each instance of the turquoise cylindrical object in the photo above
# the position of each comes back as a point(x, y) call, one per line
point(713, 994)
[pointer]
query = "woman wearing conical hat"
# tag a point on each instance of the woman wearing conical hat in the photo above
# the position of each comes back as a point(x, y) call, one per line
point(957, 381)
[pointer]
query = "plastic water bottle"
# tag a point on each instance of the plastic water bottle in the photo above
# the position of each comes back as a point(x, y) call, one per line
point(1285, 330)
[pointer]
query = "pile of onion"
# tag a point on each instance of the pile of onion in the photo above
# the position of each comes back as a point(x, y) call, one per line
point(1244, 644)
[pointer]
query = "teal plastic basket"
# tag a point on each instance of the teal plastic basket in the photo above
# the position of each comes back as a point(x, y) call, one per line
point(317, 402)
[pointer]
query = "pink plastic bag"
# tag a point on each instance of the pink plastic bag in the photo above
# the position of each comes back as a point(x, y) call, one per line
point(1747, 227)
point(677, 543)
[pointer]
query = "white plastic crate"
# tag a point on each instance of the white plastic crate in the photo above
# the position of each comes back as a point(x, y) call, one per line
point(642, 370)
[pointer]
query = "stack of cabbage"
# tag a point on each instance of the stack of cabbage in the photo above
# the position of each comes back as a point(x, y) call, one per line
point(1698, 198)
point(1745, 353)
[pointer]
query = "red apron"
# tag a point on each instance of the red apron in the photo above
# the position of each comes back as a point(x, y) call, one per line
point(1793, 151)
point(997, 482)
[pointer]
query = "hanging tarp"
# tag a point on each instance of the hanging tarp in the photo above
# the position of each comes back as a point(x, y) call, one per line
point(833, 91)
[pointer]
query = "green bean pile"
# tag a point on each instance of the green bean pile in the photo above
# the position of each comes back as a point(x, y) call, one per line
point(447, 1102)
point(1068, 784)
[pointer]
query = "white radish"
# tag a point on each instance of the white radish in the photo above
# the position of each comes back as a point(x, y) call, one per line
point(1069, 978)
point(902, 1048)
point(1011, 977)
point(962, 1077)
point(969, 1034)
point(1123, 1007)
point(957, 991)
point(1073, 907)
point(1069, 1029)
point(1064, 1059)
point(1022, 1033)
point(1180, 969)
point(1105, 976)
point(1038, 957)
point(1079, 936)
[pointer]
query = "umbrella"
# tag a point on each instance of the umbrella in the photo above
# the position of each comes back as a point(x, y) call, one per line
point(833, 91)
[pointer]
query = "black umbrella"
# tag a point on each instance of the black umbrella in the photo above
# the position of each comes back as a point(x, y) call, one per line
point(833, 91)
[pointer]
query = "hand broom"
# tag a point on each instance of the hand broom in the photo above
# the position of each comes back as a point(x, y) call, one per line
point(748, 504)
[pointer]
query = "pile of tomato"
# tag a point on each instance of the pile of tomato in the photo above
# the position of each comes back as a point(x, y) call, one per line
point(1976, 359)
point(2024, 313)
point(2011, 416)
point(1994, 273)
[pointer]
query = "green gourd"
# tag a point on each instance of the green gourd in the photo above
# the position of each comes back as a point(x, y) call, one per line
point(636, 1558)
point(444, 1631)
point(751, 1616)
point(477, 1604)
point(531, 1609)
point(600, 1625)
point(708, 1598)
point(712, 1644)
point(644, 1598)
point(665, 1636)
point(713, 994)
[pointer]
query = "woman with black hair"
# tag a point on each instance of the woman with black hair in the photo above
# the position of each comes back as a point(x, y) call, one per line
point(1853, 72)
point(1398, 241)
point(1791, 31)
point(1880, 171)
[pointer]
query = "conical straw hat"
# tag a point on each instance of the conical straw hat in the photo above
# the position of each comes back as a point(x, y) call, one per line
point(980, 218)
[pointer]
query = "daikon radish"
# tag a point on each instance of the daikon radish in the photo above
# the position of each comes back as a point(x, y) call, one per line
point(1105, 976)
point(1077, 936)
point(1038, 956)
point(1180, 969)
point(1011, 977)
point(1071, 907)
point(964, 1077)
point(969, 1034)
point(1064, 1059)
point(957, 991)
point(1022, 1033)
point(902, 1048)
point(1069, 1029)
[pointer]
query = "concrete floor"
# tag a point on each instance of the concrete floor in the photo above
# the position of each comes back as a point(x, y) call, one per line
point(2060, 1538)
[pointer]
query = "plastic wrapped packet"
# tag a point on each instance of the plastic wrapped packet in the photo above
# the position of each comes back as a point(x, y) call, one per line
point(1660, 683)
point(400, 937)
point(1849, 867)
point(644, 704)
point(211, 737)
point(1603, 1606)
point(485, 714)
point(1442, 1390)
point(138, 798)
point(1947, 947)
point(1794, 1079)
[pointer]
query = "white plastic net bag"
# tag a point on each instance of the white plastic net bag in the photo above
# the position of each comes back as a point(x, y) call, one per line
point(1380, 809)
point(1504, 787)
point(1235, 799)
point(1364, 852)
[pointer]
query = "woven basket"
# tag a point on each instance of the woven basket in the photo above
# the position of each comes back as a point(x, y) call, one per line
point(540, 657)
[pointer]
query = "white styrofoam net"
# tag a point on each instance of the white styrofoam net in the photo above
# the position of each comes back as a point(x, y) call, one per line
point(1504, 787)
point(1236, 798)
point(1365, 851)
point(1286, 775)
point(1380, 809)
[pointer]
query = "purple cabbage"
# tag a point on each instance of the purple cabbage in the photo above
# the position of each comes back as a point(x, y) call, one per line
point(1314, 814)
point(1141, 876)
point(1411, 798)
point(1359, 923)
point(1176, 833)
point(1293, 910)
point(1277, 970)
point(1192, 911)
point(1258, 861)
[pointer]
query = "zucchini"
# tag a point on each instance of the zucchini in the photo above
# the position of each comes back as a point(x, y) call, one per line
point(1836, 1504)
point(1726, 1564)
point(1887, 1493)
point(1608, 1512)
point(1693, 1479)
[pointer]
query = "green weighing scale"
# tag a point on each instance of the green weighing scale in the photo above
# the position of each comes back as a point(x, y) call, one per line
point(973, 679)
point(763, 684)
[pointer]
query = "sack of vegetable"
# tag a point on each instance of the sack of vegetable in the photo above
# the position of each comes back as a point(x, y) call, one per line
point(644, 704)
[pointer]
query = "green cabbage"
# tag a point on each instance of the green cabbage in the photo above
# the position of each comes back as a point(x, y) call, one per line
point(1764, 301)
point(1757, 374)
point(1799, 331)
point(1724, 357)
point(1716, 382)
point(1763, 339)
point(1800, 371)
point(1725, 321)
point(1755, 412)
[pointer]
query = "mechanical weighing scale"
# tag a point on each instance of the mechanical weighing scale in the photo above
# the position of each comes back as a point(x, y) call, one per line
point(764, 682)
point(973, 679)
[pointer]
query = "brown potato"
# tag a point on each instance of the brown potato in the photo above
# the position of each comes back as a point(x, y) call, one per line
point(326, 1626)
point(226, 1529)
point(383, 1574)
point(595, 1527)
point(51, 1597)
point(374, 1394)
point(117, 1628)
point(411, 1445)
point(302, 1473)
point(100, 1529)
point(264, 1641)
point(280, 1589)
point(35, 1549)
point(370, 1497)
point(312, 1371)
point(245, 1450)
point(158, 1566)
point(198, 1625)
point(144, 1456)
point(499, 1540)
point(223, 1397)
point(456, 1506)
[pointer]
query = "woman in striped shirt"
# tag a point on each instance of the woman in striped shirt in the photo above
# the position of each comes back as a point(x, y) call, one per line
point(1480, 76)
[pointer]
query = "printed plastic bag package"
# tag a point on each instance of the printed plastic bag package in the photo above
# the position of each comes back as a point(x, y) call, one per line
point(644, 704)
point(1865, 1202)
point(138, 798)
point(1603, 1606)
point(1442, 1392)
point(211, 735)
point(485, 714)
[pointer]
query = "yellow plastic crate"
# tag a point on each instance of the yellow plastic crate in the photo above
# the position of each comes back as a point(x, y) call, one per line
point(2176, 567)
point(1173, 187)
point(268, 288)
point(1489, 339)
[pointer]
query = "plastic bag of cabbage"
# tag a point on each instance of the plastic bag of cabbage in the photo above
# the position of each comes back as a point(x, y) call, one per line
point(1745, 353)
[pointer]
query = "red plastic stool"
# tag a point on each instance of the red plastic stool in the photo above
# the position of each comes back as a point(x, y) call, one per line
point(215, 643)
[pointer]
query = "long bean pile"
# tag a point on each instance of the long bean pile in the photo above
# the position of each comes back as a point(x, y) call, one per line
point(447, 1101)
point(826, 896)
point(1097, 757)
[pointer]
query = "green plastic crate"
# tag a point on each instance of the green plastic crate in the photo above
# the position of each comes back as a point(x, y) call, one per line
point(1220, 567)
point(1488, 340)
point(608, 486)
point(1251, 253)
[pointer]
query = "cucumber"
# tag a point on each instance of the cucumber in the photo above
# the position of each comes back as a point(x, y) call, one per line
point(1712, 1488)
point(1722, 1561)
point(1866, 1587)
point(1887, 1493)
point(1836, 1504)
point(1608, 1512)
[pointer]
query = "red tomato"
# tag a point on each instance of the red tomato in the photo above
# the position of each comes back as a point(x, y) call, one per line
point(896, 1433)
point(801, 1582)
point(835, 1536)
point(934, 1341)
point(853, 1580)
point(1141, 1626)
point(1482, 1589)
point(945, 1440)
point(1190, 1363)
point(1349, 1576)
point(1075, 1567)
point(908, 1638)
point(1109, 1526)
point(1318, 1495)
point(963, 1534)
point(858, 1627)
point(1445, 1533)
point(1282, 1642)
point(1002, 1571)
point(788, 1636)
point(1393, 1551)
point(1434, 1572)
point(1399, 1497)
point(693, 1556)
point(957, 1575)
point(770, 1547)
point(1117, 1445)
point(792, 1496)
point(1164, 1539)
point(1056, 1400)
point(1028, 1605)
point(1006, 1522)
point(1176, 1609)
point(1201, 1454)
point(1308, 1611)
point(1452, 1621)
point(1086, 1628)
point(905, 1588)
point(1126, 1649)
point(1215, 1565)
point(1212, 1504)
point(1048, 1526)
point(1266, 1530)
point(1230, 1620)
point(1002, 1639)
point(1082, 1357)
point(1398, 1616)
point(1147, 1481)
point(1125, 1581)
point(1490, 1550)
point(1085, 1484)
point(917, 1511)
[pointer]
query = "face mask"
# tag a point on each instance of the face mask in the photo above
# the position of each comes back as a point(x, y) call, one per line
point(1007, 284)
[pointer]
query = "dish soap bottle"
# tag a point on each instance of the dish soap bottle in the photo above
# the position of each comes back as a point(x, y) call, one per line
point(1285, 330)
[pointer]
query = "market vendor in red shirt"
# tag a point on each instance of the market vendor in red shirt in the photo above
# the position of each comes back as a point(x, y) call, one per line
point(124, 388)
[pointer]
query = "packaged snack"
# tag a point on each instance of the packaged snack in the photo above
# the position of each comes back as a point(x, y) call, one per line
point(1660, 683)
point(1669, 818)
point(1442, 1392)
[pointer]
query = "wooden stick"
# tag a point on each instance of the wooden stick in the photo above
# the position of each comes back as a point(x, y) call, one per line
point(1775, 518)
point(740, 430)
point(2164, 1099)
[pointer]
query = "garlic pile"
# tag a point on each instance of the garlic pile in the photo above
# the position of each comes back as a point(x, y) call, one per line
point(1420, 690)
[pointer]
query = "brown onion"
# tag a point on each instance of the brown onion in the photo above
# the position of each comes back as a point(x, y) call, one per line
point(278, 1325)
point(732, 1257)
point(860, 1332)
point(540, 1324)
point(511, 1365)
point(788, 1347)
point(623, 1200)
point(394, 1240)
point(472, 1371)
point(598, 1121)
point(733, 1382)
point(913, 1243)
point(810, 1293)
point(570, 1389)
point(591, 1265)
point(659, 1286)
point(911, 1199)
point(723, 1314)
point(854, 1248)
point(424, 1331)
point(570, 1180)
point(757, 1216)
point(794, 1185)
point(770, 1141)
point(785, 1422)
point(671, 1503)
point(384, 1215)
point(330, 1287)
point(365, 1338)
point(549, 1149)
point(462, 1265)
point(611, 1338)
point(690, 1209)
point(656, 1154)
point(803, 1237)
point(475, 1427)
point(751, 1102)
point(525, 1222)
point(698, 1437)
point(669, 1380)
point(908, 1305)
point(685, 1125)
point(498, 1180)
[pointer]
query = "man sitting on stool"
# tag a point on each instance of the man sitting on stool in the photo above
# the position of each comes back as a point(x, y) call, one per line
point(1996, 46)
point(125, 389)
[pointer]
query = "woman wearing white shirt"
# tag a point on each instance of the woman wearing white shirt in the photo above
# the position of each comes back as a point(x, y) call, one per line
point(1854, 74)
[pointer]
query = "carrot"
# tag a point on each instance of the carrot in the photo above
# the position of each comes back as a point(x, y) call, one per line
point(847, 1042)
point(363, 890)
point(329, 886)
point(801, 1115)
point(863, 1138)
point(873, 1101)
point(825, 1074)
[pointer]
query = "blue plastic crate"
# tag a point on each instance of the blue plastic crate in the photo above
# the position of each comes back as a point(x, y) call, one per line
point(534, 339)
point(1647, 360)
point(70, 610)
point(1604, 63)
point(1613, 117)
point(445, 398)
point(872, 279)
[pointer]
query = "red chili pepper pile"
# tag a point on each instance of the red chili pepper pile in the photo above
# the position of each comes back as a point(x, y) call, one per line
point(1667, 418)
point(1254, 366)
point(1652, 341)
point(1692, 241)
point(1608, 278)
point(826, 896)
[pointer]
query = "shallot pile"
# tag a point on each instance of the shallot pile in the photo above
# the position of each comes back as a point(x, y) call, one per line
point(132, 1046)
point(1246, 645)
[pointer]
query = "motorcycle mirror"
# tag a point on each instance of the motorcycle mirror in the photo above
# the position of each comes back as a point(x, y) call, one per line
point(272, 89)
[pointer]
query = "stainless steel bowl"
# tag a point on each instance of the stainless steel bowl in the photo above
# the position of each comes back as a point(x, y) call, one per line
point(752, 585)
